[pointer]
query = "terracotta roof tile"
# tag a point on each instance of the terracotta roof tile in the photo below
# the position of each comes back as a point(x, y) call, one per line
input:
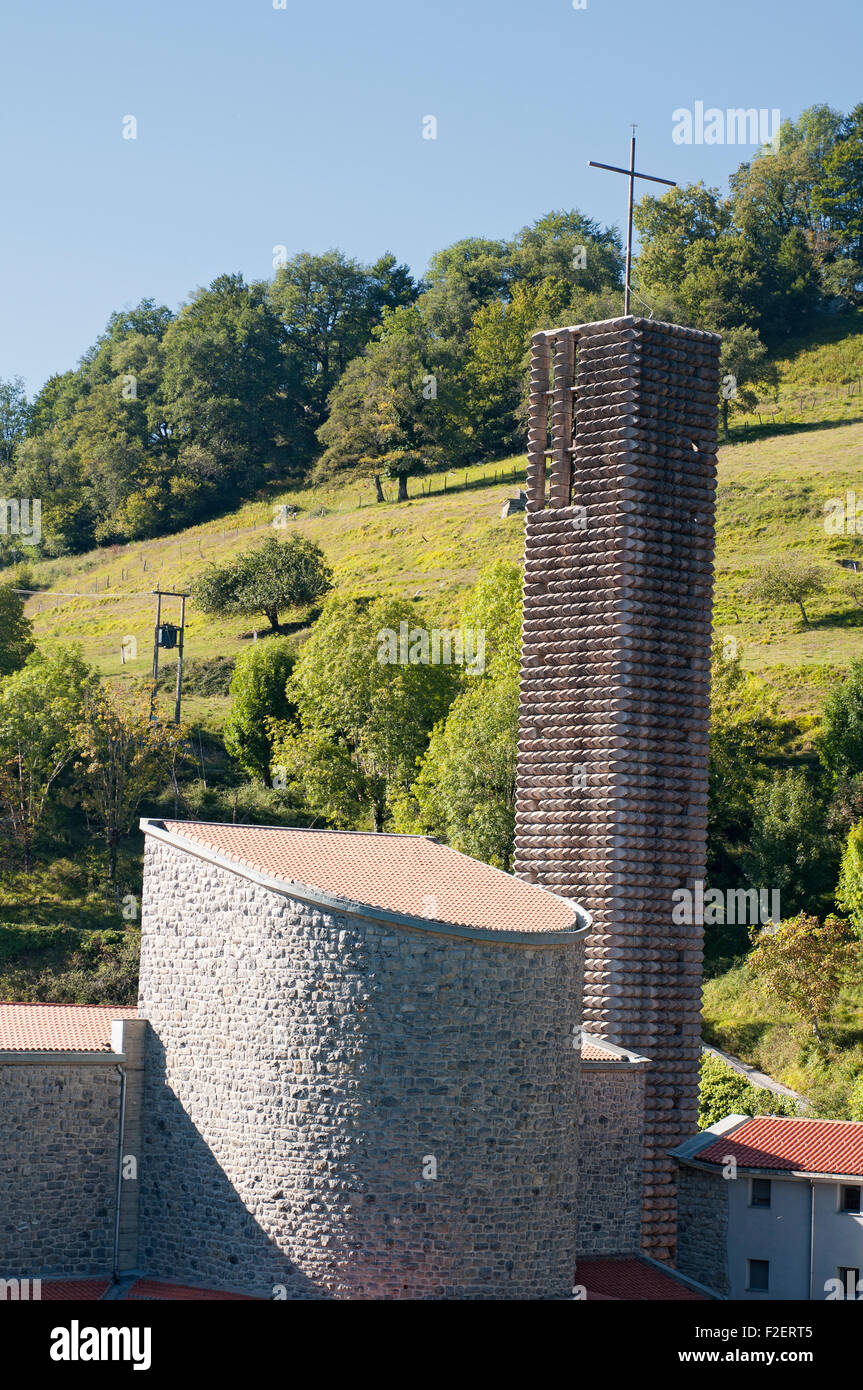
point(409, 875)
point(162, 1291)
point(793, 1144)
point(59, 1027)
point(632, 1279)
point(81, 1290)
point(592, 1053)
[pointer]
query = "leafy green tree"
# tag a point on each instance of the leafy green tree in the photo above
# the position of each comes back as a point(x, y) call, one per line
point(363, 720)
point(258, 694)
point(724, 1091)
point(14, 419)
point(227, 389)
point(569, 249)
point(470, 801)
point(788, 579)
point(497, 366)
point(384, 417)
point(745, 730)
point(804, 963)
point(744, 365)
point(790, 849)
point(328, 306)
point(838, 196)
point(840, 742)
point(16, 631)
point(849, 891)
point(40, 708)
point(122, 756)
point(276, 575)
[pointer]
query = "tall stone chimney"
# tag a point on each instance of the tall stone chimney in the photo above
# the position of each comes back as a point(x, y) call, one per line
point(612, 769)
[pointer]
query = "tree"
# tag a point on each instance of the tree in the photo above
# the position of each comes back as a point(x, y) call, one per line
point(40, 708)
point(469, 801)
point(804, 963)
point(258, 694)
point(724, 1091)
point(363, 719)
point(839, 195)
point(275, 576)
point(849, 891)
point(840, 742)
point(14, 419)
point(743, 365)
point(384, 417)
point(228, 392)
point(328, 306)
point(789, 848)
point(16, 631)
point(121, 758)
point(745, 729)
point(788, 579)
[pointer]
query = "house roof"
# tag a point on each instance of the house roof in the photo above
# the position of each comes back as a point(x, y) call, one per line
point(792, 1144)
point(633, 1279)
point(403, 878)
point(59, 1027)
point(599, 1050)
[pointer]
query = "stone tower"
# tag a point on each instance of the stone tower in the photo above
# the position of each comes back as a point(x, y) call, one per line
point(612, 779)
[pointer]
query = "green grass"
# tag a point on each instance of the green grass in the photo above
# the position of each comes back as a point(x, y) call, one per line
point(772, 490)
point(743, 1018)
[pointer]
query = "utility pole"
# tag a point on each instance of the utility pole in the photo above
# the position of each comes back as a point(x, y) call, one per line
point(169, 636)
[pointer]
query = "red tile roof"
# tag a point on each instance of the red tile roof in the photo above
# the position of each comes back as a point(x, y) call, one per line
point(590, 1052)
point(59, 1027)
point(158, 1289)
point(632, 1279)
point(407, 875)
point(81, 1290)
point(791, 1144)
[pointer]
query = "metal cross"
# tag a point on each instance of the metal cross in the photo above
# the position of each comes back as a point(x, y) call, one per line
point(632, 174)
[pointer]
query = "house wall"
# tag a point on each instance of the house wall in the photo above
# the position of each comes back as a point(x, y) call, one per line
point(702, 1230)
point(838, 1238)
point(720, 1232)
point(779, 1234)
point(308, 1072)
point(610, 1159)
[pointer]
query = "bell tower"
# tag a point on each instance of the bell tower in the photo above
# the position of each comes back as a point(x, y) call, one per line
point(614, 706)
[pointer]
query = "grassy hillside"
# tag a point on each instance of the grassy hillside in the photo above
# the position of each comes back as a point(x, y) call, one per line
point(773, 482)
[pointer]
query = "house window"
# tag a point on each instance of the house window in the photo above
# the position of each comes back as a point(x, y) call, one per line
point(759, 1192)
point(849, 1200)
point(849, 1279)
point(758, 1276)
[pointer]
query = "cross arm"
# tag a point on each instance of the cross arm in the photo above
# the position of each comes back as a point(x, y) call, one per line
point(633, 173)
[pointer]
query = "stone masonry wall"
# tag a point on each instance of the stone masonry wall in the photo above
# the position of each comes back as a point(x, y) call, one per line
point(610, 1159)
point(58, 1168)
point(308, 1073)
point(702, 1241)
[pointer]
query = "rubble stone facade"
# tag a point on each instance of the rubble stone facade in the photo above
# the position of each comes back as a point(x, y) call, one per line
point(337, 1107)
point(610, 1159)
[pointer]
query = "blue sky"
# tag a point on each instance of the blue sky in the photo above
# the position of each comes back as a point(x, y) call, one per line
point(302, 127)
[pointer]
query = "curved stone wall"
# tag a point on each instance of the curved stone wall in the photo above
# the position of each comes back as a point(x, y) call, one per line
point(340, 1108)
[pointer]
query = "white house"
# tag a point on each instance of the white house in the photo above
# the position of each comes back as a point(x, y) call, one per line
point(772, 1208)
